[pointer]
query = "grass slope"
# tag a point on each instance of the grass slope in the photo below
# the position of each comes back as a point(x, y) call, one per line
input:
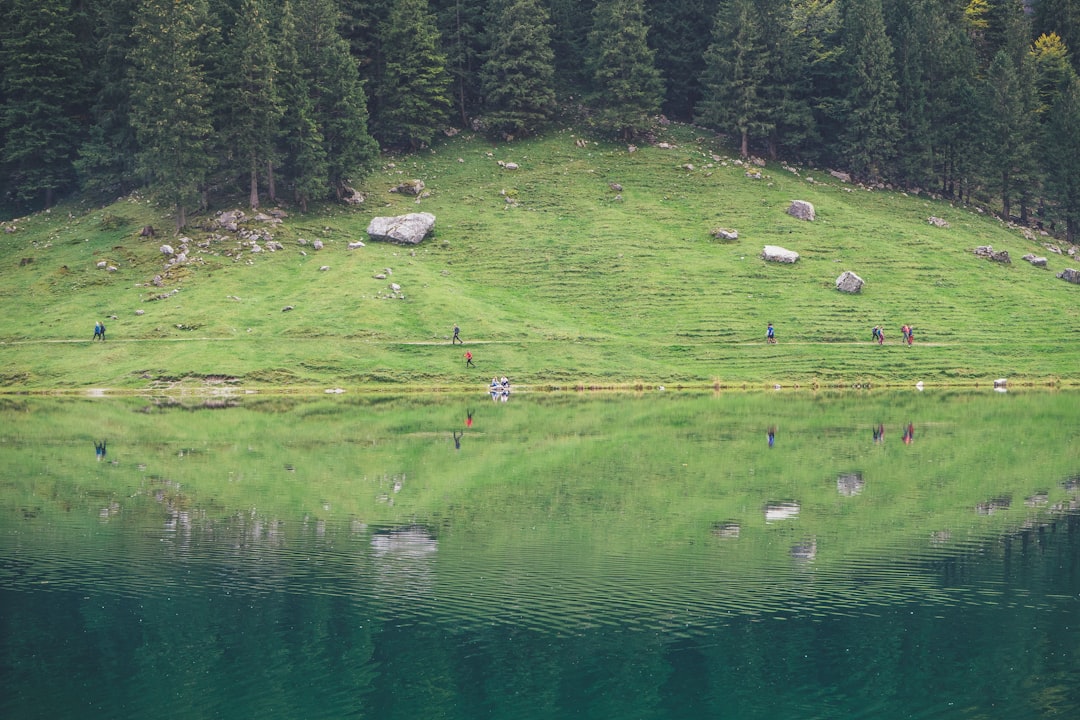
point(556, 280)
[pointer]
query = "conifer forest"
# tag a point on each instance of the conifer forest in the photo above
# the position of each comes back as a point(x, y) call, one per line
point(294, 101)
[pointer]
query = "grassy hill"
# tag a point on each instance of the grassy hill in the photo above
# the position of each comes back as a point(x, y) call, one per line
point(556, 280)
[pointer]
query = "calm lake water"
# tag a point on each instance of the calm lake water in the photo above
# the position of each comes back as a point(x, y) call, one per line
point(797, 555)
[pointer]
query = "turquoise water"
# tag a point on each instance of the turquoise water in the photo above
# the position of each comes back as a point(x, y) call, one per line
point(887, 556)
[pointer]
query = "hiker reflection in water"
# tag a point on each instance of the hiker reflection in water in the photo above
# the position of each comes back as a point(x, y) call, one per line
point(457, 439)
point(772, 435)
point(909, 434)
point(99, 450)
point(879, 433)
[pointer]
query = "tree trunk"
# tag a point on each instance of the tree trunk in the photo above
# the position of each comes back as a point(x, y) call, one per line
point(49, 197)
point(253, 198)
point(1006, 206)
point(1070, 229)
point(745, 149)
point(270, 189)
point(181, 217)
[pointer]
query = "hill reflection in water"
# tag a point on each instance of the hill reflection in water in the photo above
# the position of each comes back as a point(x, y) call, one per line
point(559, 556)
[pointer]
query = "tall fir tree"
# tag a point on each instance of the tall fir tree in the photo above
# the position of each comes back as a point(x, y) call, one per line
point(1009, 131)
point(518, 74)
point(411, 94)
point(464, 42)
point(571, 21)
point(871, 126)
point(255, 103)
point(736, 67)
point(1061, 148)
point(169, 100)
point(42, 92)
point(627, 87)
point(300, 146)
point(106, 161)
point(679, 31)
point(817, 75)
point(338, 104)
point(1061, 18)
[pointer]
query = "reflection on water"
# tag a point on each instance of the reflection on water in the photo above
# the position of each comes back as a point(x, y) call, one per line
point(598, 558)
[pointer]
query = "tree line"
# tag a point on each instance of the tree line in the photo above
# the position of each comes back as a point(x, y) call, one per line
point(293, 100)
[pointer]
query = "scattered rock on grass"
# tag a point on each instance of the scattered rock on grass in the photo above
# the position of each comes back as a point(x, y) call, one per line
point(849, 282)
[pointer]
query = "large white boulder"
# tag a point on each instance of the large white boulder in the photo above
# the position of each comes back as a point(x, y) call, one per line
point(775, 253)
point(408, 229)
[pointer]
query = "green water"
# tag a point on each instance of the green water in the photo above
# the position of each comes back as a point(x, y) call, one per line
point(643, 556)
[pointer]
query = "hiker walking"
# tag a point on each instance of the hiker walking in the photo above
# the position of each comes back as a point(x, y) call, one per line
point(457, 336)
point(101, 325)
point(97, 330)
point(770, 334)
point(909, 334)
point(468, 359)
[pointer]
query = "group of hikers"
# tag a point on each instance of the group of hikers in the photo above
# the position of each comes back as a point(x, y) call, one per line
point(878, 334)
point(99, 331)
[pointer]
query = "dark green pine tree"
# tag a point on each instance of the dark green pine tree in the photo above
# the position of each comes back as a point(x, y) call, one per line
point(627, 89)
point(1061, 148)
point(785, 90)
point(571, 21)
point(106, 161)
point(734, 75)
point(462, 28)
point(255, 105)
point(949, 85)
point(679, 31)
point(1008, 130)
point(411, 94)
point(1061, 17)
point(1052, 68)
point(910, 24)
point(812, 57)
point(301, 150)
point(339, 106)
point(518, 74)
point(870, 123)
point(169, 96)
point(42, 92)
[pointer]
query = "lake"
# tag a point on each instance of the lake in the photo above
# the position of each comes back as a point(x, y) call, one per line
point(661, 555)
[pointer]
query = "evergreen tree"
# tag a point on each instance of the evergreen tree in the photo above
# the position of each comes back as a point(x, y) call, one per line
point(106, 160)
point(1061, 148)
point(784, 91)
point(518, 74)
point(412, 93)
point(1053, 71)
point(910, 24)
point(462, 28)
point(571, 21)
point(1061, 18)
point(871, 126)
point(338, 103)
point(627, 87)
point(680, 31)
point(1008, 130)
point(255, 103)
point(734, 75)
point(42, 91)
point(817, 74)
point(169, 100)
point(300, 142)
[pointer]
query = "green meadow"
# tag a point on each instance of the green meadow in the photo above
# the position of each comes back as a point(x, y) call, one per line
point(556, 279)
